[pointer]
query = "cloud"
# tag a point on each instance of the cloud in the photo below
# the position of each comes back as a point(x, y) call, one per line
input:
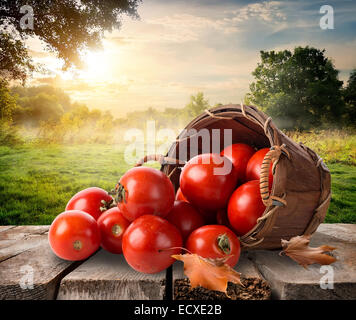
point(121, 40)
point(267, 11)
point(186, 27)
point(343, 55)
point(181, 27)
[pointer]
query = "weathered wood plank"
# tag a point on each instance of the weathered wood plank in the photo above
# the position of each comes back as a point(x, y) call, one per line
point(32, 274)
point(4, 228)
point(18, 239)
point(246, 267)
point(108, 276)
point(342, 231)
point(25, 249)
point(15, 233)
point(291, 281)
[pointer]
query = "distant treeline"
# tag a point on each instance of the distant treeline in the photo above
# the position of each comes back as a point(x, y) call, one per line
point(47, 114)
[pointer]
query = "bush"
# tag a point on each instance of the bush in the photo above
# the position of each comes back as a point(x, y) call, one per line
point(334, 146)
point(9, 134)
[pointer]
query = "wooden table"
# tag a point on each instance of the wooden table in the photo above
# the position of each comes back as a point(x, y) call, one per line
point(29, 270)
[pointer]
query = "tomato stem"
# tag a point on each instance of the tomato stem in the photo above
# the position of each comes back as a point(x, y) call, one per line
point(106, 205)
point(224, 243)
point(119, 193)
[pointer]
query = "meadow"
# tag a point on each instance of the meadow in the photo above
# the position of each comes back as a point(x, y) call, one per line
point(36, 181)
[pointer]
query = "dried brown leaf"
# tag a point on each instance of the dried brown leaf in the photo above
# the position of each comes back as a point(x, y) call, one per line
point(297, 248)
point(212, 274)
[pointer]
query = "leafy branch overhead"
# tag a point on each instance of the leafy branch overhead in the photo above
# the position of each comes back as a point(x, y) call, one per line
point(66, 27)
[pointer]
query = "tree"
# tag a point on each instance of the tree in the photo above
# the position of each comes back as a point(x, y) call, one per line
point(40, 103)
point(67, 27)
point(299, 89)
point(349, 94)
point(197, 105)
point(8, 132)
point(27, 92)
point(15, 62)
point(7, 102)
point(41, 107)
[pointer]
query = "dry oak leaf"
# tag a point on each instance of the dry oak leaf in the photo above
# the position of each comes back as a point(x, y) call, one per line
point(212, 274)
point(297, 248)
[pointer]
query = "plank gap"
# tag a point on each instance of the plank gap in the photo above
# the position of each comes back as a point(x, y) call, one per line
point(63, 274)
point(168, 295)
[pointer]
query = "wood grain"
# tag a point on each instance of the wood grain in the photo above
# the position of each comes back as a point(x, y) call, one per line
point(16, 240)
point(25, 249)
point(108, 276)
point(290, 281)
point(4, 228)
point(38, 263)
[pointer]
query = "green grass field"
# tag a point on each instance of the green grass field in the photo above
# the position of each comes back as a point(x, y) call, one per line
point(36, 182)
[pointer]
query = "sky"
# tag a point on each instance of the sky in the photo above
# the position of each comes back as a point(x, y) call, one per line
point(179, 47)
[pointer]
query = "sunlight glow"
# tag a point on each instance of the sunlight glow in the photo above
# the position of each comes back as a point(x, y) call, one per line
point(97, 66)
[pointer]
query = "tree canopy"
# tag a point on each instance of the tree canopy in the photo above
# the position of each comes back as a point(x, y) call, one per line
point(67, 27)
point(350, 99)
point(7, 102)
point(197, 105)
point(299, 89)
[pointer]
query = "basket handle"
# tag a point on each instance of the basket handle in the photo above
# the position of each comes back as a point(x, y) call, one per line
point(161, 159)
point(272, 156)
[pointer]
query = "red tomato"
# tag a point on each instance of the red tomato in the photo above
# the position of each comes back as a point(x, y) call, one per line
point(112, 225)
point(90, 201)
point(253, 168)
point(222, 219)
point(145, 191)
point(245, 207)
point(207, 181)
point(180, 196)
point(215, 241)
point(149, 242)
point(74, 235)
point(208, 215)
point(185, 217)
point(239, 154)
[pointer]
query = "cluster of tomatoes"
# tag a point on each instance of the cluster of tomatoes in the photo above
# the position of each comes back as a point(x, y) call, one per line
point(146, 221)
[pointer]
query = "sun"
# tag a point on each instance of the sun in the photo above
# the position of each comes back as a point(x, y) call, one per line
point(97, 65)
point(100, 66)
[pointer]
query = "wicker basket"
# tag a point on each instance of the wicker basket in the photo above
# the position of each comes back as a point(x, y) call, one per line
point(300, 194)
